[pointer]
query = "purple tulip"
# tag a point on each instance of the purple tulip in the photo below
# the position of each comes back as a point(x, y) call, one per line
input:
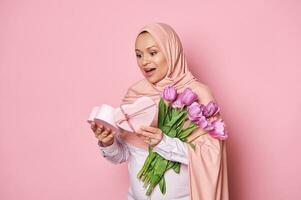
point(219, 129)
point(211, 109)
point(188, 97)
point(195, 111)
point(185, 98)
point(204, 124)
point(169, 94)
point(178, 103)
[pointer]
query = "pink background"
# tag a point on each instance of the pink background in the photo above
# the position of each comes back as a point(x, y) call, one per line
point(59, 58)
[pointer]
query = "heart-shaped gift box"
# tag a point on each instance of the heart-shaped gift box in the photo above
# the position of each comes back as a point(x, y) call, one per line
point(103, 115)
point(128, 117)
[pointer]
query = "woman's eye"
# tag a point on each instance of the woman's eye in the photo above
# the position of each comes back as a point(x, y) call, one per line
point(153, 53)
point(138, 56)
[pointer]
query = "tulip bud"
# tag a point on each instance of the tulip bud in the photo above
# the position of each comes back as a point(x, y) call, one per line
point(211, 109)
point(219, 129)
point(169, 94)
point(195, 112)
point(188, 97)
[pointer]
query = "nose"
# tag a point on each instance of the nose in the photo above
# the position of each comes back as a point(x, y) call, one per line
point(145, 60)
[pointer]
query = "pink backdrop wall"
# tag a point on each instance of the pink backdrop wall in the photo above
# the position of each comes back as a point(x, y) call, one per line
point(58, 58)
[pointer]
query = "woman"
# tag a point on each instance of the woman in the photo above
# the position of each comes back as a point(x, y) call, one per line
point(203, 174)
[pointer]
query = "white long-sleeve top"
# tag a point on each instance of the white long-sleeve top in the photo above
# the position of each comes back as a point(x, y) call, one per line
point(173, 149)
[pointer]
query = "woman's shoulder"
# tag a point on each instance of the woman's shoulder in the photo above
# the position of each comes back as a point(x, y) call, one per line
point(203, 91)
point(198, 86)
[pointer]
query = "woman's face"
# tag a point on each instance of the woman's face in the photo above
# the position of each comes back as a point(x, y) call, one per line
point(150, 58)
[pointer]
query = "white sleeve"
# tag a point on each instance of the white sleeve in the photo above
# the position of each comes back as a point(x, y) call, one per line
point(172, 149)
point(117, 152)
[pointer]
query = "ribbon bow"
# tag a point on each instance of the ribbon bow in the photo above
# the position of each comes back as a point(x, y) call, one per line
point(127, 117)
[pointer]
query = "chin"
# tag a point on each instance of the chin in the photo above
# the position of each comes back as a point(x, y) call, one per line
point(151, 80)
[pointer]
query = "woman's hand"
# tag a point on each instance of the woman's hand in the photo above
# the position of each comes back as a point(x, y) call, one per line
point(103, 134)
point(150, 135)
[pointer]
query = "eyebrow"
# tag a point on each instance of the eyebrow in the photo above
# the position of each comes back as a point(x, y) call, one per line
point(146, 48)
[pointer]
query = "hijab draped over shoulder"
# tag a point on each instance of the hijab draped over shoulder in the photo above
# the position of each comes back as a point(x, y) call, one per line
point(207, 163)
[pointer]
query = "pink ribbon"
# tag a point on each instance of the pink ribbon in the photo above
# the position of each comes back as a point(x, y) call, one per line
point(127, 117)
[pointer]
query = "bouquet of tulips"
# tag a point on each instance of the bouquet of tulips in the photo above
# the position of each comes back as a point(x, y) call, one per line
point(174, 110)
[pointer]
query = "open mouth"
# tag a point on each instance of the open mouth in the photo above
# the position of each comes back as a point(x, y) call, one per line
point(149, 70)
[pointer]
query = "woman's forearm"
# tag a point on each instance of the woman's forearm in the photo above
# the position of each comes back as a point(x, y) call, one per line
point(115, 153)
point(172, 149)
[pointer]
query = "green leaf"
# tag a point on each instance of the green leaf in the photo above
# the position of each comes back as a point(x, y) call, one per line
point(159, 170)
point(169, 114)
point(185, 133)
point(180, 124)
point(176, 167)
point(172, 133)
point(174, 112)
point(162, 185)
point(170, 164)
point(160, 165)
point(162, 112)
point(176, 119)
point(165, 129)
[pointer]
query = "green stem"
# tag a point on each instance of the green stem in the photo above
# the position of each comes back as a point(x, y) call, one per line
point(165, 114)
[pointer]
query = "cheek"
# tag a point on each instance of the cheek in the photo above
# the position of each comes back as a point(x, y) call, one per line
point(163, 68)
point(162, 72)
point(140, 66)
point(138, 62)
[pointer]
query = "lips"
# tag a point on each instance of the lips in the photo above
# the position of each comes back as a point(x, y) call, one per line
point(149, 71)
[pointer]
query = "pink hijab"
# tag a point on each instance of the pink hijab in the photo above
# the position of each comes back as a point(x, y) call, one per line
point(207, 163)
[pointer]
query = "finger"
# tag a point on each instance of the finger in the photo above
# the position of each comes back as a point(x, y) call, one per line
point(146, 141)
point(100, 126)
point(151, 142)
point(108, 129)
point(142, 137)
point(93, 124)
point(98, 131)
point(144, 133)
point(157, 137)
point(103, 128)
point(100, 137)
point(108, 138)
point(149, 129)
point(104, 134)
point(93, 127)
